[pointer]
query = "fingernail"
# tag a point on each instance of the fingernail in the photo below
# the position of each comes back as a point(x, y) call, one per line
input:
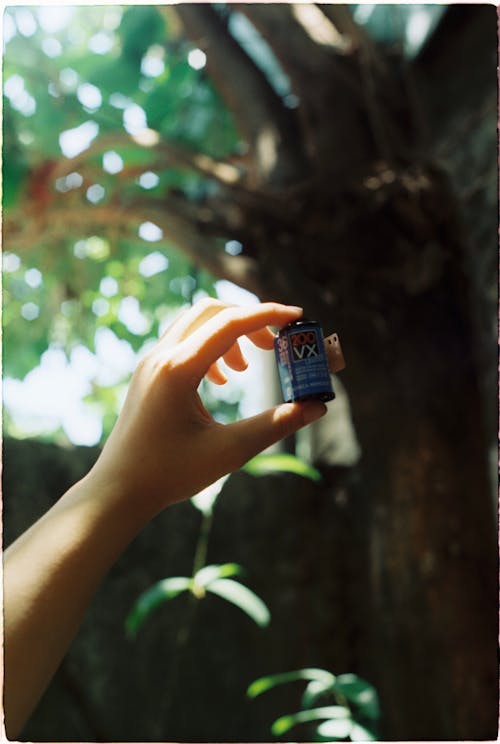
point(313, 410)
point(295, 309)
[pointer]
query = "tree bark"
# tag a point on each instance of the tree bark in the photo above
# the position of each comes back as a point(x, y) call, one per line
point(430, 538)
point(269, 126)
point(380, 254)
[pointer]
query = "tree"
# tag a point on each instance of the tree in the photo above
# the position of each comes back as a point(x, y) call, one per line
point(359, 182)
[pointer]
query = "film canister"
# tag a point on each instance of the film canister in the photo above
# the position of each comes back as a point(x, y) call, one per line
point(302, 362)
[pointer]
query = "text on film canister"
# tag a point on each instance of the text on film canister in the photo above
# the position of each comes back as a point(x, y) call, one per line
point(302, 362)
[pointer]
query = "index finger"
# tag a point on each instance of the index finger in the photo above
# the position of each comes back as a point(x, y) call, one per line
point(219, 333)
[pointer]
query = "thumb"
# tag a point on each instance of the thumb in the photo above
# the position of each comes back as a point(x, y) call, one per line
point(248, 437)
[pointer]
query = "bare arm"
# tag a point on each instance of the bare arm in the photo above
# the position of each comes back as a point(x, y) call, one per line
point(165, 447)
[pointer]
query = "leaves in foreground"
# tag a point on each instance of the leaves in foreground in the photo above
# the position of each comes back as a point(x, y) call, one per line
point(205, 500)
point(263, 684)
point(152, 598)
point(329, 712)
point(212, 578)
point(350, 707)
point(242, 597)
point(282, 462)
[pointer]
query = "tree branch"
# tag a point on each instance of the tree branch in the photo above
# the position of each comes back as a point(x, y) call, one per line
point(203, 249)
point(446, 80)
point(379, 85)
point(232, 178)
point(165, 152)
point(315, 56)
point(186, 230)
point(356, 39)
point(307, 44)
point(268, 125)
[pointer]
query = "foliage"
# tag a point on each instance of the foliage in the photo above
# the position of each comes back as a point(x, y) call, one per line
point(76, 257)
point(213, 579)
point(216, 578)
point(281, 462)
point(204, 500)
point(348, 707)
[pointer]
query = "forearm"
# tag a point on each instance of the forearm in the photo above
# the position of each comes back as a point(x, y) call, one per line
point(50, 575)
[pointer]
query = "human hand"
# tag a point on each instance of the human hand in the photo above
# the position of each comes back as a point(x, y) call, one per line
point(165, 446)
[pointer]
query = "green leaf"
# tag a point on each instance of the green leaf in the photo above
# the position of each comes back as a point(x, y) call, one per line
point(243, 598)
point(361, 733)
point(281, 463)
point(116, 75)
point(204, 500)
point(206, 575)
point(159, 104)
point(285, 723)
point(14, 171)
point(14, 168)
point(316, 689)
point(153, 598)
point(335, 728)
point(140, 27)
point(266, 683)
point(359, 692)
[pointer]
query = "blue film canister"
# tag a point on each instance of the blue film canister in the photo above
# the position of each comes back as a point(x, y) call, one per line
point(302, 362)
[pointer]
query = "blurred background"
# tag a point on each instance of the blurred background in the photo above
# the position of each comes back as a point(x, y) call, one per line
point(340, 157)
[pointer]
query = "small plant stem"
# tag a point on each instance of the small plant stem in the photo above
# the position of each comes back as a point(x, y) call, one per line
point(184, 632)
point(200, 553)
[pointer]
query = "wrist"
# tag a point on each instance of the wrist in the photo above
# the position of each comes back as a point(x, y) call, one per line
point(113, 504)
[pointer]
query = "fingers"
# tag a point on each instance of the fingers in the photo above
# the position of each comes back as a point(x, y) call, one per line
point(263, 338)
point(189, 320)
point(216, 375)
point(235, 359)
point(218, 335)
point(248, 437)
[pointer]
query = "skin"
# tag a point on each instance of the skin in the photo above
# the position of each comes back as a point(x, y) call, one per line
point(164, 448)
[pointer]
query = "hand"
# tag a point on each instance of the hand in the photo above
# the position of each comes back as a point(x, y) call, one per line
point(165, 446)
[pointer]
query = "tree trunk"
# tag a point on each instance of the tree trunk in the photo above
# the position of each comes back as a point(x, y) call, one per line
point(431, 594)
point(372, 241)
